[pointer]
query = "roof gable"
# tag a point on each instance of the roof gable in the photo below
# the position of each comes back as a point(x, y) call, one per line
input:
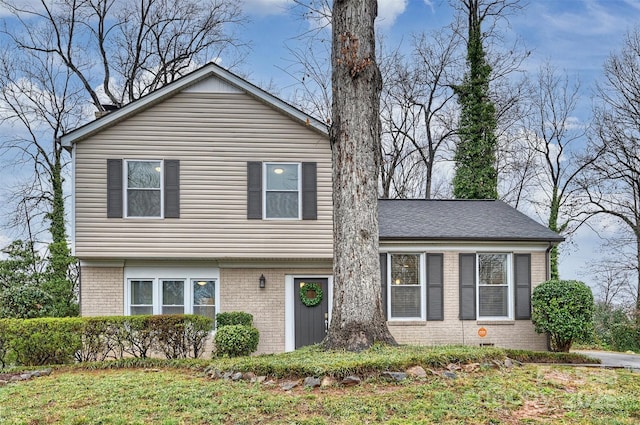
point(210, 77)
point(470, 220)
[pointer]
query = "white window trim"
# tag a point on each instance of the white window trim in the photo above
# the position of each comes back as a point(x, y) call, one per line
point(264, 191)
point(159, 273)
point(125, 189)
point(423, 284)
point(510, 291)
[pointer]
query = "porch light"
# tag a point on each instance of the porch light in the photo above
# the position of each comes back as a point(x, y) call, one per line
point(278, 170)
point(202, 282)
point(262, 282)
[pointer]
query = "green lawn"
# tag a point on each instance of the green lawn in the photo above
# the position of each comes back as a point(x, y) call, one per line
point(169, 395)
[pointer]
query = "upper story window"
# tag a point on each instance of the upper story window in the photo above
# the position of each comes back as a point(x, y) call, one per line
point(494, 285)
point(282, 191)
point(144, 188)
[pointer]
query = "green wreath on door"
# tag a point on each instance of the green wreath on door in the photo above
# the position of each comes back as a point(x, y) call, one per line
point(310, 288)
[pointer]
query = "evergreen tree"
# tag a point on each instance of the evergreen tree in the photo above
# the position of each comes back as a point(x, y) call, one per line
point(476, 175)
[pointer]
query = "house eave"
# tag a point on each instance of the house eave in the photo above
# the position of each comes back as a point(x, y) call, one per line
point(171, 89)
point(469, 239)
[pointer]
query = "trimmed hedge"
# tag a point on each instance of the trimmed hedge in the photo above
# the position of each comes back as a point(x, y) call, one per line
point(35, 342)
point(234, 318)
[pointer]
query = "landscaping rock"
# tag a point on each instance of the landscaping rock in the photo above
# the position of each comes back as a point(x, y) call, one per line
point(508, 363)
point(227, 375)
point(394, 376)
point(351, 380)
point(311, 382)
point(417, 372)
point(259, 379)
point(216, 374)
point(236, 376)
point(450, 375)
point(3, 383)
point(288, 385)
point(249, 376)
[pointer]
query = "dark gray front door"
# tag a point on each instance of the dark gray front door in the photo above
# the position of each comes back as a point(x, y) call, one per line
point(310, 321)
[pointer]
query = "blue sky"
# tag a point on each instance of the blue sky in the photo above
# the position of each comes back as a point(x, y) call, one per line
point(576, 36)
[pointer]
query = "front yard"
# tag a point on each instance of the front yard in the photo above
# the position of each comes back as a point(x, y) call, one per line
point(479, 392)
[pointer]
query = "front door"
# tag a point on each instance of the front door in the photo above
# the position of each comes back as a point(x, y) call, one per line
point(311, 310)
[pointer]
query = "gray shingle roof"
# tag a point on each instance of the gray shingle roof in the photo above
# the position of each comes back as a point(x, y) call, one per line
point(471, 220)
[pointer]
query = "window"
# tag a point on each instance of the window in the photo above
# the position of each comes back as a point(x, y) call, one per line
point(494, 286)
point(141, 296)
point(204, 298)
point(405, 287)
point(171, 296)
point(144, 188)
point(282, 191)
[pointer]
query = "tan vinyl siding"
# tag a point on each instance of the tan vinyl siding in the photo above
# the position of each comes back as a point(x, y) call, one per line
point(213, 135)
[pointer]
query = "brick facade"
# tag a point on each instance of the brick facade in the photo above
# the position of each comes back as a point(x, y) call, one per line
point(101, 291)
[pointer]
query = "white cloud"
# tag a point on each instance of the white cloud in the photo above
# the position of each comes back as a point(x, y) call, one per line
point(389, 10)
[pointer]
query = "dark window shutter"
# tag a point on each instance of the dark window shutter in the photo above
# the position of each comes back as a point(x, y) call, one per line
point(309, 191)
point(522, 274)
point(435, 287)
point(254, 190)
point(467, 271)
point(383, 281)
point(114, 188)
point(171, 188)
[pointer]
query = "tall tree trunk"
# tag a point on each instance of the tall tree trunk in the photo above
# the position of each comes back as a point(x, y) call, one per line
point(553, 225)
point(357, 317)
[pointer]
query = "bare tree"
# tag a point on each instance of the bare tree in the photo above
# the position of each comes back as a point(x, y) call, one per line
point(612, 185)
point(553, 133)
point(357, 317)
point(418, 107)
point(126, 48)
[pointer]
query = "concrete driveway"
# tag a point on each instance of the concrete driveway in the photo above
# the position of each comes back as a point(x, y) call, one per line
point(613, 359)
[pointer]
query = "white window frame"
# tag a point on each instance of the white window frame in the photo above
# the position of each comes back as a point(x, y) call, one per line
point(125, 182)
point(422, 275)
point(510, 283)
point(158, 273)
point(265, 191)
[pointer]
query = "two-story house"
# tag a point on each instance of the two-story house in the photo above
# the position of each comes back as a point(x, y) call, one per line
point(212, 195)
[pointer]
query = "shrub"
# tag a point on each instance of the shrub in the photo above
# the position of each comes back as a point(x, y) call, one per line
point(564, 310)
point(615, 328)
point(236, 340)
point(36, 342)
point(234, 318)
point(181, 336)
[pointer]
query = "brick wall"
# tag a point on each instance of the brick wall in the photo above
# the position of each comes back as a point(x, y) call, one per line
point(101, 291)
point(513, 334)
point(239, 292)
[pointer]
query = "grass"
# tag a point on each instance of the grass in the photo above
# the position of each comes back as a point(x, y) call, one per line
point(155, 392)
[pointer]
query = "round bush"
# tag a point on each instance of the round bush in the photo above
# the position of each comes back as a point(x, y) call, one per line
point(564, 310)
point(236, 340)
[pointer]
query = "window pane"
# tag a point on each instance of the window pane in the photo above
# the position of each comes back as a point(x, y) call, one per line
point(405, 269)
point(282, 204)
point(204, 293)
point(136, 311)
point(207, 311)
point(141, 292)
point(282, 177)
point(143, 203)
point(492, 269)
point(172, 292)
point(405, 301)
point(494, 301)
point(143, 174)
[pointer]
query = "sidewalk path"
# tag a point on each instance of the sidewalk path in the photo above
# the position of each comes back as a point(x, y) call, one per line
point(613, 359)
